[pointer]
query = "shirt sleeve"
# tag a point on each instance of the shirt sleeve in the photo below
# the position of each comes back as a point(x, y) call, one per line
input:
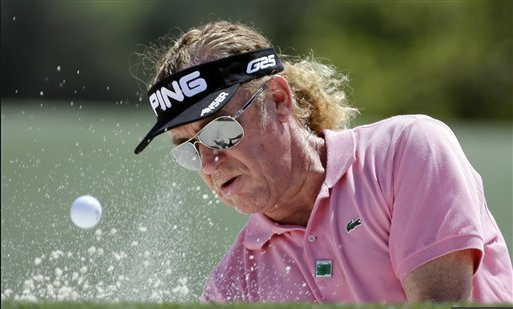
point(211, 293)
point(223, 287)
point(226, 283)
point(438, 197)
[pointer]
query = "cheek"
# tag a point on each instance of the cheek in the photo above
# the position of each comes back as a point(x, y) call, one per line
point(273, 159)
point(207, 180)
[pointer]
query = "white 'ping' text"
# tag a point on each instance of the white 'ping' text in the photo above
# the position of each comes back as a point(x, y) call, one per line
point(188, 85)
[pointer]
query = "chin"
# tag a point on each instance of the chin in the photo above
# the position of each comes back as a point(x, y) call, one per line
point(243, 210)
point(247, 204)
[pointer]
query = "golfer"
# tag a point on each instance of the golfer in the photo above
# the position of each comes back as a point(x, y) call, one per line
point(386, 212)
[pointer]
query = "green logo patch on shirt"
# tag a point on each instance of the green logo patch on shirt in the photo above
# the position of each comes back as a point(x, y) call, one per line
point(323, 268)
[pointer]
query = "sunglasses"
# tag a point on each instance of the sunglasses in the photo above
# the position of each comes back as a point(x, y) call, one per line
point(221, 133)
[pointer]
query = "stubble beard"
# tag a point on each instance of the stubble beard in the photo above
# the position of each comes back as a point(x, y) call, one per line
point(255, 201)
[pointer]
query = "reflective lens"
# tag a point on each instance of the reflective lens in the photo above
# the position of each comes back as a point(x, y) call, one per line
point(187, 156)
point(221, 133)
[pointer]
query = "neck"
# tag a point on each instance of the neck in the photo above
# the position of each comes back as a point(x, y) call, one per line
point(307, 175)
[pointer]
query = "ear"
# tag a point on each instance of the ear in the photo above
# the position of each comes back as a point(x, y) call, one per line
point(282, 97)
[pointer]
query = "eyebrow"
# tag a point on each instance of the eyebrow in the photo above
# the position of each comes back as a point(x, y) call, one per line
point(178, 141)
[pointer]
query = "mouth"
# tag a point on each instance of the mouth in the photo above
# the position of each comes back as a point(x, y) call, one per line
point(231, 186)
point(225, 185)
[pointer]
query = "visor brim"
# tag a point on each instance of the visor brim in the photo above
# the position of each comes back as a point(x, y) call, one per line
point(205, 107)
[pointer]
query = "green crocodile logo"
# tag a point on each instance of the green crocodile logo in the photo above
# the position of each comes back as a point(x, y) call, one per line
point(351, 225)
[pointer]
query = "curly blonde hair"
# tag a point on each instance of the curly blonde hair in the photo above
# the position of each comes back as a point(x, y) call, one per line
point(320, 101)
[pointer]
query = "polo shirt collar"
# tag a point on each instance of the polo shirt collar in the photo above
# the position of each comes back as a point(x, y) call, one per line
point(260, 229)
point(340, 147)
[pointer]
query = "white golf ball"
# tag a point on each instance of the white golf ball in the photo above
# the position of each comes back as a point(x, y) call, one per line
point(86, 212)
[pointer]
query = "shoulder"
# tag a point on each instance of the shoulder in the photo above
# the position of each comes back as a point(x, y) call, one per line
point(401, 123)
point(397, 131)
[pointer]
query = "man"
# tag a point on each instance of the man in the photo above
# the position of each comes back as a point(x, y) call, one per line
point(387, 212)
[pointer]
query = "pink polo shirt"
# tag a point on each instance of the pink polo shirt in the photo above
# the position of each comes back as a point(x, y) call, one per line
point(397, 194)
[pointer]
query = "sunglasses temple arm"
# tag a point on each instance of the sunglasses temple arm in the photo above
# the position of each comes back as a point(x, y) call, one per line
point(250, 101)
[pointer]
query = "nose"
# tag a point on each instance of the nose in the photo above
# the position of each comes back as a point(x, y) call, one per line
point(210, 159)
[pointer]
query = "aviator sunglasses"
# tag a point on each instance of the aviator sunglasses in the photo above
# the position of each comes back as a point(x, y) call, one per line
point(222, 133)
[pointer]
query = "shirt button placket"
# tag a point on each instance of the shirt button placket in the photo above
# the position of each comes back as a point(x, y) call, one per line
point(309, 252)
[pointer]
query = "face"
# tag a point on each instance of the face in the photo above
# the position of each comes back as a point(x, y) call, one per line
point(252, 176)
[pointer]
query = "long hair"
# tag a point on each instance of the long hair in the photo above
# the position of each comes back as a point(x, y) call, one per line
point(320, 101)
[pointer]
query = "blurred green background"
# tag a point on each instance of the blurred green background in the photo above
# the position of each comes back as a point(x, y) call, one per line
point(445, 58)
point(72, 113)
